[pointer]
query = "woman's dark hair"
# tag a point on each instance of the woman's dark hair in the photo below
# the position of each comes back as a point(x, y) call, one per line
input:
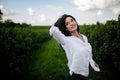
point(60, 23)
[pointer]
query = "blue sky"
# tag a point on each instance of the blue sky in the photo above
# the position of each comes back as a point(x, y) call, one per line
point(46, 12)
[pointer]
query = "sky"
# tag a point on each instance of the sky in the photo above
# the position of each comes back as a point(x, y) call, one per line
point(46, 12)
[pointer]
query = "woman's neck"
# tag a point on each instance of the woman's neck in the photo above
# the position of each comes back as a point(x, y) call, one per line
point(75, 33)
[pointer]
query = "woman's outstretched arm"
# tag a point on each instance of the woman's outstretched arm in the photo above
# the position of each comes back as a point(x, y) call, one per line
point(57, 34)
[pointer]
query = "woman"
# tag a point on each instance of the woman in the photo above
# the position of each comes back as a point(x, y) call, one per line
point(76, 46)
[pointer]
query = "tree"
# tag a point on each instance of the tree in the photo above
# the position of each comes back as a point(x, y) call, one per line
point(9, 23)
point(119, 17)
point(1, 14)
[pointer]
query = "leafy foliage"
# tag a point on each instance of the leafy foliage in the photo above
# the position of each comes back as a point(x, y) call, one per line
point(104, 39)
point(17, 43)
point(1, 15)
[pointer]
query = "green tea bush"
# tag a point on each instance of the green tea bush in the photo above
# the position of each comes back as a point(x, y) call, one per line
point(16, 47)
point(104, 39)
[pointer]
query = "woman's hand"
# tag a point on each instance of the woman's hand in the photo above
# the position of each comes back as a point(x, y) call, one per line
point(96, 65)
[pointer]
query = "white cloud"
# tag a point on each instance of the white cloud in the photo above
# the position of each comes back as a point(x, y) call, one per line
point(7, 12)
point(84, 5)
point(33, 18)
point(1, 7)
point(99, 13)
point(42, 17)
point(116, 10)
point(36, 19)
point(31, 12)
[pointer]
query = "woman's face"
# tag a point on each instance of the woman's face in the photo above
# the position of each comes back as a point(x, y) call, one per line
point(70, 24)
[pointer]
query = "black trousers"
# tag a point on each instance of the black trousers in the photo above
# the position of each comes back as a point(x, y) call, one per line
point(78, 77)
point(75, 77)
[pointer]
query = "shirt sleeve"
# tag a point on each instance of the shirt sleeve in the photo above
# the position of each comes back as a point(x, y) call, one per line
point(92, 63)
point(57, 34)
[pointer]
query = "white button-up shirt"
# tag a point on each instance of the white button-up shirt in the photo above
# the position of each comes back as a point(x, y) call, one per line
point(79, 53)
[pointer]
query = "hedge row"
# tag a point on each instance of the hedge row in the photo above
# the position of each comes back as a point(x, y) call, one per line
point(16, 47)
point(104, 39)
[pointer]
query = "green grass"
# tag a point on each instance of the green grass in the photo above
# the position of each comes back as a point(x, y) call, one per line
point(50, 62)
point(39, 28)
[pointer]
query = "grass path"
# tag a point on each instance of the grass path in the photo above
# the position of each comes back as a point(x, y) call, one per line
point(50, 62)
